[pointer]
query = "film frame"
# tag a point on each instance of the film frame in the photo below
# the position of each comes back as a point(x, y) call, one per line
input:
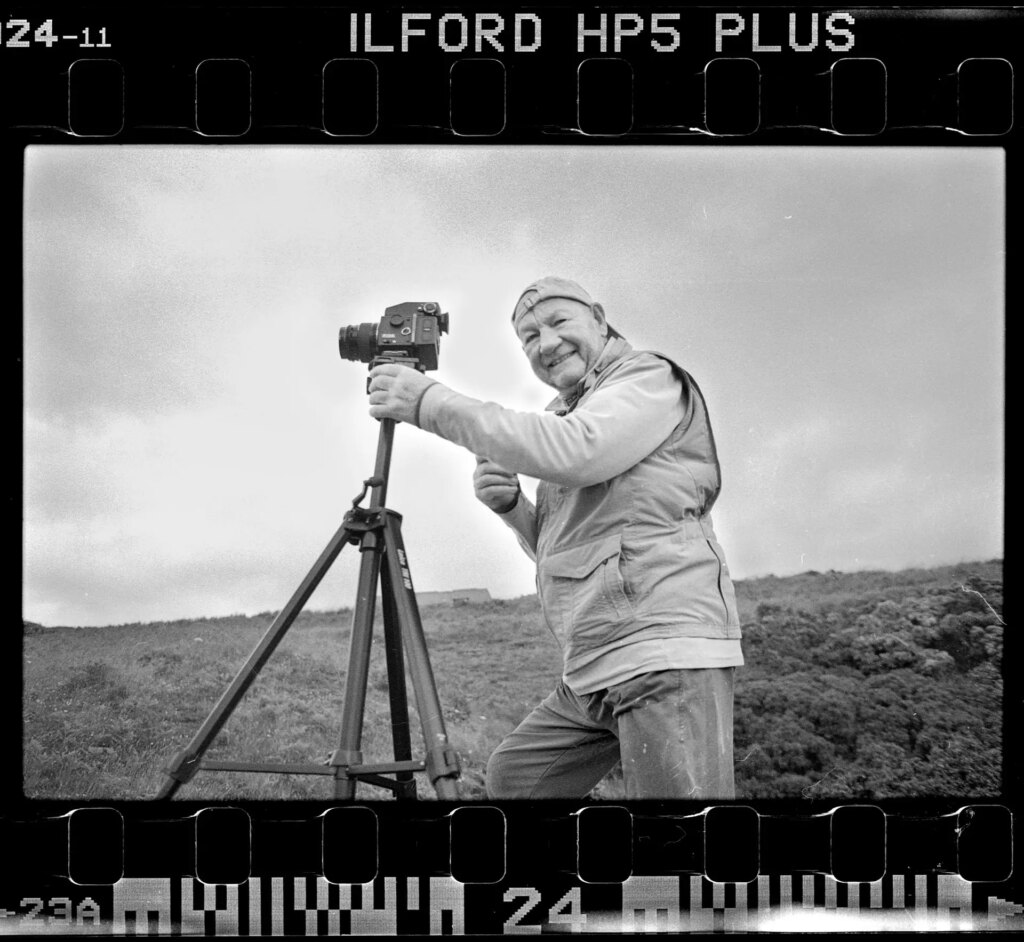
point(917, 77)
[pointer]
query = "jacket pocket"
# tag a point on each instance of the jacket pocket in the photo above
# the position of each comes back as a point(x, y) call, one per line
point(582, 587)
point(684, 581)
point(724, 585)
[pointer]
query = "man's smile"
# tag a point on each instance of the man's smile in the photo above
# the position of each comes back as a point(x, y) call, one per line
point(561, 359)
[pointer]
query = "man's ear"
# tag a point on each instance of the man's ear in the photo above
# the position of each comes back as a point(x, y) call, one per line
point(602, 321)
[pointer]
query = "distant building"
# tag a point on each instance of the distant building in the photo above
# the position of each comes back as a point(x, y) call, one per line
point(454, 597)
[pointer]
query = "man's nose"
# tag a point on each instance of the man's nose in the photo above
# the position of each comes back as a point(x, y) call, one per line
point(549, 339)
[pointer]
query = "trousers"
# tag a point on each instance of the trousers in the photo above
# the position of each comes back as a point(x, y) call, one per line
point(671, 730)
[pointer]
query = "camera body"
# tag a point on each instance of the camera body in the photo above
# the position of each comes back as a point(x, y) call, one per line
point(408, 333)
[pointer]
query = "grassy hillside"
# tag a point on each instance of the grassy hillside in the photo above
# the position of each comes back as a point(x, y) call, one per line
point(862, 685)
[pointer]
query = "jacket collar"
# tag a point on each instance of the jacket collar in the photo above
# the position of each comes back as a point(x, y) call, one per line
point(614, 349)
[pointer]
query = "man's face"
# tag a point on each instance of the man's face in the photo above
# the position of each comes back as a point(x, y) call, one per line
point(562, 339)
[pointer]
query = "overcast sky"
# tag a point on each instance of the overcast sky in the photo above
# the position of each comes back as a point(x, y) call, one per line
point(193, 439)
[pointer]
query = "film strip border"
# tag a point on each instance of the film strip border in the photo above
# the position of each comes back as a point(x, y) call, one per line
point(346, 74)
point(551, 74)
point(358, 869)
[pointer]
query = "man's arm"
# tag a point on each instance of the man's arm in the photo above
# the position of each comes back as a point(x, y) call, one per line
point(523, 520)
point(624, 420)
point(498, 489)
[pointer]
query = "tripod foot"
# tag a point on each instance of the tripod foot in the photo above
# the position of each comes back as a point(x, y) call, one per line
point(182, 770)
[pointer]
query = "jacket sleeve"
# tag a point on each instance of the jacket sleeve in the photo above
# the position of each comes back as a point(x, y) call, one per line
point(523, 520)
point(623, 420)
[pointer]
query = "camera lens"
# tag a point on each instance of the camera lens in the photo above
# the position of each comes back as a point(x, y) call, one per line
point(358, 342)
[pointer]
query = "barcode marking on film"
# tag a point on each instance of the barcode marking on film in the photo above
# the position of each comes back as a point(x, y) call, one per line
point(441, 905)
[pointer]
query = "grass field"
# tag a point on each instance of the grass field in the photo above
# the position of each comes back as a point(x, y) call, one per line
point(821, 703)
point(106, 709)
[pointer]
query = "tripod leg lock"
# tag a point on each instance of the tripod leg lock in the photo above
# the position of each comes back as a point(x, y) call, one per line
point(346, 758)
point(442, 762)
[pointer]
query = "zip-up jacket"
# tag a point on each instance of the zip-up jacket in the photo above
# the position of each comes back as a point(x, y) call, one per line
point(621, 533)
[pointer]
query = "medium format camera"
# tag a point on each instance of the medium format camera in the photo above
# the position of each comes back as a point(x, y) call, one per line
point(408, 333)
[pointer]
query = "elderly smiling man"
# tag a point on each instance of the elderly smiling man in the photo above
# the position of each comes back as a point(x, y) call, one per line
point(631, 578)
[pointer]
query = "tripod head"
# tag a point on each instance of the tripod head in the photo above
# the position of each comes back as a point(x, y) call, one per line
point(399, 358)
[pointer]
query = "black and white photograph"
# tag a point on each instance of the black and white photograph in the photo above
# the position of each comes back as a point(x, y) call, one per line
point(810, 339)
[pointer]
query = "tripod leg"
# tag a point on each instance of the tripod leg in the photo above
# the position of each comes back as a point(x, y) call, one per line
point(442, 761)
point(186, 763)
point(348, 751)
point(400, 728)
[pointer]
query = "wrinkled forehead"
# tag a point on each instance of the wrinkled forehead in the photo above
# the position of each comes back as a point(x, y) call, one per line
point(543, 312)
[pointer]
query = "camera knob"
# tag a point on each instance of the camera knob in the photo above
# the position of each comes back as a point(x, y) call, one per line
point(397, 320)
point(429, 307)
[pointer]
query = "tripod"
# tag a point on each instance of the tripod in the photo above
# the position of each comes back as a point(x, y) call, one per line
point(377, 532)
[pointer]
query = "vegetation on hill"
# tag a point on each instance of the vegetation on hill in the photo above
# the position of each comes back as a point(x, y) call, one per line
point(872, 685)
point(856, 686)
